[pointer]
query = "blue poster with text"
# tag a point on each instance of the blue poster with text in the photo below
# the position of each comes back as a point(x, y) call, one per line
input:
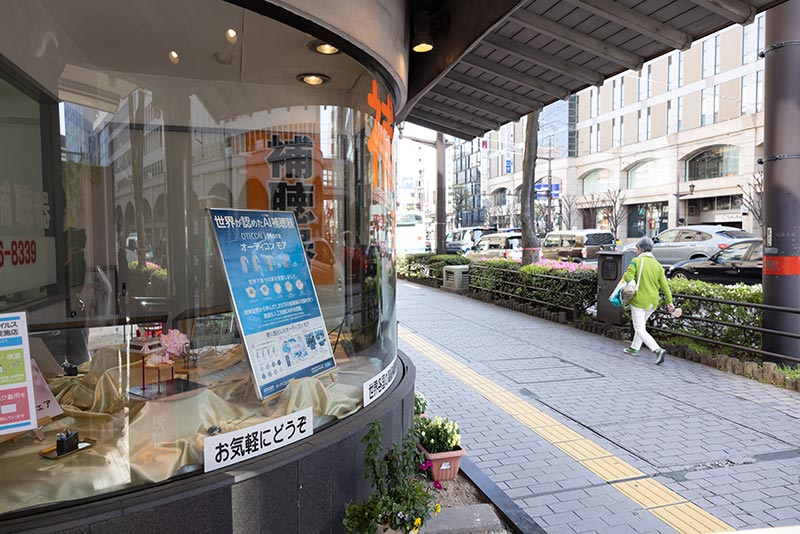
point(273, 296)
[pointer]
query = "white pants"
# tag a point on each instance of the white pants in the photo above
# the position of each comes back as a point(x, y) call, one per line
point(640, 317)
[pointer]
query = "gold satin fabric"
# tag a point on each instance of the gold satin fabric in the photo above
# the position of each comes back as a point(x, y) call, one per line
point(140, 441)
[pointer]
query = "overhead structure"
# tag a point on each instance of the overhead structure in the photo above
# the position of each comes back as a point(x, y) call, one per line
point(494, 62)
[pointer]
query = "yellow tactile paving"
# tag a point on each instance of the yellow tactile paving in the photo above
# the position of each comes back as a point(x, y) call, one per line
point(583, 449)
point(664, 503)
point(649, 493)
point(534, 420)
point(689, 518)
point(612, 469)
point(557, 433)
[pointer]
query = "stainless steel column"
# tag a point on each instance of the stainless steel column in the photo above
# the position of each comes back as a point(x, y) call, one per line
point(441, 196)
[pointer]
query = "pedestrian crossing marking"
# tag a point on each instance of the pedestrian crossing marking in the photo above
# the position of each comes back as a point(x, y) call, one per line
point(611, 468)
point(649, 493)
point(668, 506)
point(689, 518)
point(583, 449)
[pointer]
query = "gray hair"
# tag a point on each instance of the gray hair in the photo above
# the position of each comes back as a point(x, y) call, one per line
point(645, 244)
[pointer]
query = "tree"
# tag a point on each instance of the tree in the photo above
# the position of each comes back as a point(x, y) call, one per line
point(614, 210)
point(459, 197)
point(530, 241)
point(592, 204)
point(753, 197)
point(569, 212)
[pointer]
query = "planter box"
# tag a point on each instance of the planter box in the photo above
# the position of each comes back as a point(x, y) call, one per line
point(445, 464)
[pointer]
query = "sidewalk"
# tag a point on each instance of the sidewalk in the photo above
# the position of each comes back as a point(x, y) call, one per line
point(585, 438)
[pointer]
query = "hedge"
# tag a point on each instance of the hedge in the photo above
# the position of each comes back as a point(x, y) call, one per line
point(739, 314)
point(427, 265)
point(572, 288)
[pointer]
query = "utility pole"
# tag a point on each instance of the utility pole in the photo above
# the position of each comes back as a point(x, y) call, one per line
point(548, 225)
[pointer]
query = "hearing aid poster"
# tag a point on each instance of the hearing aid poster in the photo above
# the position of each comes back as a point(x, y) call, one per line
point(273, 295)
point(17, 402)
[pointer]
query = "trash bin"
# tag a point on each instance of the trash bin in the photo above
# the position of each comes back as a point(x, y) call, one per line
point(611, 265)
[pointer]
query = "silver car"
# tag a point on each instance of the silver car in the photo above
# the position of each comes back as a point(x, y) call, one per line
point(500, 246)
point(694, 242)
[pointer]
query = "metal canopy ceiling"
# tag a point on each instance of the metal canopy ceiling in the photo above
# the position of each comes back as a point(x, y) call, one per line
point(535, 52)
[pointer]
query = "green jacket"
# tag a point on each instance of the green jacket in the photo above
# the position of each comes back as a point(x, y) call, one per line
point(653, 279)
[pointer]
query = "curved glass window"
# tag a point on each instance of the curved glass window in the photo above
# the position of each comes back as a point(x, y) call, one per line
point(713, 163)
point(596, 181)
point(121, 127)
point(648, 173)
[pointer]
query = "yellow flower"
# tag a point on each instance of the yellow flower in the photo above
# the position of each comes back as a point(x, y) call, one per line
point(437, 509)
point(417, 523)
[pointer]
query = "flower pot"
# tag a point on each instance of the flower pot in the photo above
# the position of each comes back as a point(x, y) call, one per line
point(383, 529)
point(445, 464)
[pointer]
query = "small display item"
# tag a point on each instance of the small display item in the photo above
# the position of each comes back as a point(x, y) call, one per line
point(145, 346)
point(67, 442)
point(70, 369)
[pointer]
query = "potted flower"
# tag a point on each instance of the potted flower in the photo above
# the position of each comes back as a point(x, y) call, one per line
point(420, 404)
point(439, 440)
point(401, 501)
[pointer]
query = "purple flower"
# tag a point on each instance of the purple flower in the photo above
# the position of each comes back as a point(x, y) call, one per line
point(437, 485)
point(425, 466)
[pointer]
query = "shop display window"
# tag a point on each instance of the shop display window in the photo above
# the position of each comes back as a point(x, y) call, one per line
point(122, 124)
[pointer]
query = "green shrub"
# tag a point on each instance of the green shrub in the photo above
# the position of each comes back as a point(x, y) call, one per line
point(427, 265)
point(736, 314)
point(564, 288)
point(569, 288)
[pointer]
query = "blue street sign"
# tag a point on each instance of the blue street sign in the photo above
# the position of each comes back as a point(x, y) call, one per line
point(508, 166)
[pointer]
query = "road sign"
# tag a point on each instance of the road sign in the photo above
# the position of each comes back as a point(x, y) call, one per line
point(508, 166)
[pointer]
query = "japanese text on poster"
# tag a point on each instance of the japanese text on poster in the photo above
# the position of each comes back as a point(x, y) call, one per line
point(233, 447)
point(17, 403)
point(273, 295)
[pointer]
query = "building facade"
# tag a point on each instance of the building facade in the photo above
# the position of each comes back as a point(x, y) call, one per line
point(677, 142)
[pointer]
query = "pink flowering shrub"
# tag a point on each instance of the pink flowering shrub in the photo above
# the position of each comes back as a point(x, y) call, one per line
point(173, 341)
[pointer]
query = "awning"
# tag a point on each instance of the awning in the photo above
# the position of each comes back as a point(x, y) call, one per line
point(523, 55)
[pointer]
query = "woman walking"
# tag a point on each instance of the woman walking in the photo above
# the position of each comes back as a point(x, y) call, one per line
point(650, 274)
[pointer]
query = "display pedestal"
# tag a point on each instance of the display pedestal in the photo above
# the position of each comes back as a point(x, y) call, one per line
point(167, 388)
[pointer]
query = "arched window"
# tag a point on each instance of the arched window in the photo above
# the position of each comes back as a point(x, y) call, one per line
point(596, 181)
point(499, 196)
point(713, 162)
point(648, 173)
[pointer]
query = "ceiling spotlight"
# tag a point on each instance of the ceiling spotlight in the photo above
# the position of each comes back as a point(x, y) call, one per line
point(231, 36)
point(174, 57)
point(322, 47)
point(313, 78)
point(422, 41)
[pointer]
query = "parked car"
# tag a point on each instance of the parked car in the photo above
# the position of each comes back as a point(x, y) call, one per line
point(576, 245)
point(463, 240)
point(696, 242)
point(502, 245)
point(740, 262)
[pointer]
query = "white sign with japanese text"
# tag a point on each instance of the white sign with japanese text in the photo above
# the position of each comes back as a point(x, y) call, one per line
point(230, 448)
point(374, 387)
point(17, 401)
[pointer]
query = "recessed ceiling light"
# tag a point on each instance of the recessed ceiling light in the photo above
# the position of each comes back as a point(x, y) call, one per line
point(174, 57)
point(321, 47)
point(312, 78)
point(231, 36)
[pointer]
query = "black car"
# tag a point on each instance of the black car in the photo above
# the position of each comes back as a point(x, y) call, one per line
point(740, 262)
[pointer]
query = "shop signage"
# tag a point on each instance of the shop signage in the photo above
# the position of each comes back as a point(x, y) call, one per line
point(17, 402)
point(237, 446)
point(274, 298)
point(728, 217)
point(377, 385)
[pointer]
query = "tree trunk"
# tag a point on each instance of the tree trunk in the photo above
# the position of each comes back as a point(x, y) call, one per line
point(530, 241)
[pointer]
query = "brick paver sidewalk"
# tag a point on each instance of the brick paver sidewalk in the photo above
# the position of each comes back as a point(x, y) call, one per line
point(600, 441)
